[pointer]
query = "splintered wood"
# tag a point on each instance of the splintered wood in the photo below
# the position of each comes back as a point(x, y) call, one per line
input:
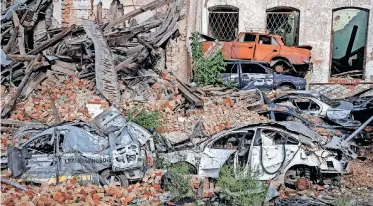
point(106, 76)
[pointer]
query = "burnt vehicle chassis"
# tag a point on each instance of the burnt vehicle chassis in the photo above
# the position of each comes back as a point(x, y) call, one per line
point(315, 104)
point(323, 126)
point(107, 150)
point(277, 151)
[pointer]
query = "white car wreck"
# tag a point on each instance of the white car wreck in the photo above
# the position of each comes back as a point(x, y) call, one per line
point(281, 151)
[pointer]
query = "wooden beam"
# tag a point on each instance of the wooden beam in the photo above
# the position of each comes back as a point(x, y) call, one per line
point(21, 34)
point(8, 107)
point(150, 6)
point(187, 93)
point(57, 38)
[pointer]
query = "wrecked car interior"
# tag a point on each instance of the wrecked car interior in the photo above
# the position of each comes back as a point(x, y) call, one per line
point(184, 102)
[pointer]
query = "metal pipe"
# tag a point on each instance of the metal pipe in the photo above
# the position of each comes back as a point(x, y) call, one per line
point(13, 184)
point(359, 129)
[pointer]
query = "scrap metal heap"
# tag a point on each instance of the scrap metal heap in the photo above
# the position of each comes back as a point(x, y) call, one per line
point(65, 97)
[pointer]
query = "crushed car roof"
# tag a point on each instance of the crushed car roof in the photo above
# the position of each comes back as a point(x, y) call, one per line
point(296, 127)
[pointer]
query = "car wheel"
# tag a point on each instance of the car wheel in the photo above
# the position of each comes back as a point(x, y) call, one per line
point(109, 177)
point(286, 87)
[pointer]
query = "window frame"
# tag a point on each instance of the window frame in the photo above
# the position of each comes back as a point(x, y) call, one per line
point(209, 144)
point(259, 137)
point(266, 71)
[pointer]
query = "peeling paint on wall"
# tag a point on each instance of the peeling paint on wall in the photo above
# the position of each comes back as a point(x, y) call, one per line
point(342, 28)
point(349, 42)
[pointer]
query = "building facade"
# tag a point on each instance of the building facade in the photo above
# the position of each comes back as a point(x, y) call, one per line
point(340, 31)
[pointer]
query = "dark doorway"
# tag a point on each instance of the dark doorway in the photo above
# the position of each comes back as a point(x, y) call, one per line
point(349, 35)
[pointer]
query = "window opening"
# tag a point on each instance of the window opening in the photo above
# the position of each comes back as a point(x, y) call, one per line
point(252, 68)
point(41, 145)
point(272, 137)
point(284, 21)
point(265, 39)
point(306, 104)
point(223, 22)
point(248, 38)
point(349, 34)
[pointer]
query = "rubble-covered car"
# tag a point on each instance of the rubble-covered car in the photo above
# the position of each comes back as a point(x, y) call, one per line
point(316, 104)
point(322, 126)
point(107, 150)
point(280, 151)
point(254, 75)
point(363, 104)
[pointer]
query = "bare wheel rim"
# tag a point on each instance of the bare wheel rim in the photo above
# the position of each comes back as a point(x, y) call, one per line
point(113, 180)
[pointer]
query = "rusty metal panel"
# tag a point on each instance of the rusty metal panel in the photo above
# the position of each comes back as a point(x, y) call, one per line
point(106, 76)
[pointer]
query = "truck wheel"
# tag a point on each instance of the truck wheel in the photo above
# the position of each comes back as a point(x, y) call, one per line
point(110, 177)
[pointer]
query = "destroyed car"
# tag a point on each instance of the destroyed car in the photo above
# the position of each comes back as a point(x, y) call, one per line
point(107, 150)
point(268, 48)
point(363, 104)
point(322, 126)
point(280, 151)
point(316, 104)
point(253, 75)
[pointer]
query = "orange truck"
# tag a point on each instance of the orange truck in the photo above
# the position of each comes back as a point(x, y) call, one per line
point(266, 48)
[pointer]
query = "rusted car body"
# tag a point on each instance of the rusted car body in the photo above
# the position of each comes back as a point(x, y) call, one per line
point(267, 48)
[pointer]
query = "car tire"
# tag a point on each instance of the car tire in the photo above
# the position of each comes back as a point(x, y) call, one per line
point(116, 178)
point(286, 87)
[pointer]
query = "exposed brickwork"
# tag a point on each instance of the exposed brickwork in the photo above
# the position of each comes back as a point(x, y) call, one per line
point(177, 52)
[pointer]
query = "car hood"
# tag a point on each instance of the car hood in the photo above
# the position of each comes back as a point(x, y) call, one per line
point(300, 128)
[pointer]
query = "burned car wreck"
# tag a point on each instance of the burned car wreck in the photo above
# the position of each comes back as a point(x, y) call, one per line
point(316, 104)
point(322, 126)
point(106, 150)
point(280, 151)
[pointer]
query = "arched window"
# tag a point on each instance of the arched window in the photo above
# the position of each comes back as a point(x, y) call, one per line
point(349, 36)
point(223, 22)
point(284, 21)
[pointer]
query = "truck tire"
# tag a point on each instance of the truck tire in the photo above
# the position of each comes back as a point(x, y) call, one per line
point(110, 177)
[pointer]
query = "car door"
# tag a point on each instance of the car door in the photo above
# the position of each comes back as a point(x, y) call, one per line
point(244, 46)
point(40, 159)
point(267, 153)
point(255, 75)
point(231, 73)
point(82, 154)
point(266, 48)
point(217, 152)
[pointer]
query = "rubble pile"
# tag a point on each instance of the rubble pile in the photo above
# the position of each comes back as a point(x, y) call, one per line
point(70, 96)
point(108, 52)
point(361, 170)
point(71, 89)
point(146, 192)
